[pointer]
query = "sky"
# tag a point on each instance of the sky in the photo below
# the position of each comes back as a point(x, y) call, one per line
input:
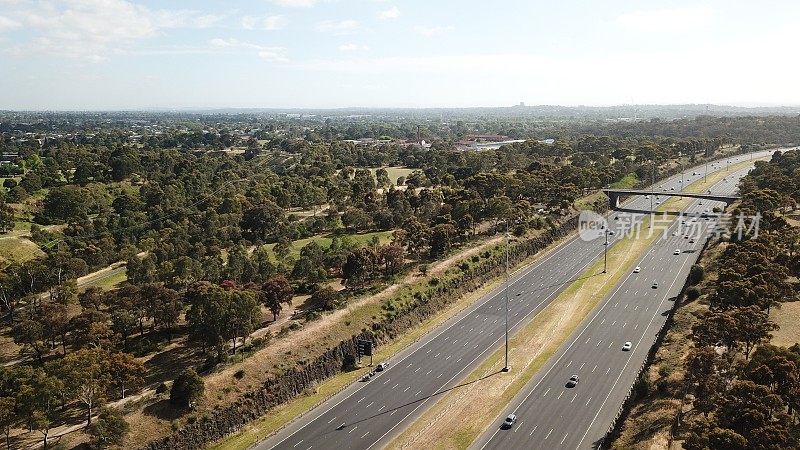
point(137, 54)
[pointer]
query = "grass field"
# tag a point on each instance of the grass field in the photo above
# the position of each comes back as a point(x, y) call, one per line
point(13, 248)
point(627, 182)
point(395, 172)
point(325, 241)
point(788, 318)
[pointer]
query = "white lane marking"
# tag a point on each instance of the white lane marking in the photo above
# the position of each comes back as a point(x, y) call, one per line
point(608, 370)
point(587, 401)
point(559, 395)
point(353, 429)
point(365, 435)
point(418, 392)
point(581, 367)
point(362, 398)
point(417, 369)
point(569, 364)
point(428, 372)
point(379, 409)
point(370, 404)
point(518, 427)
point(593, 368)
point(404, 390)
point(534, 429)
point(598, 343)
point(298, 443)
point(564, 439)
point(545, 392)
point(573, 398)
point(624, 324)
point(548, 434)
point(395, 385)
point(615, 322)
point(334, 418)
point(390, 415)
point(387, 380)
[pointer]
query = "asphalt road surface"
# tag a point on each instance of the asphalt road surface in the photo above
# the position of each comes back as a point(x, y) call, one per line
point(369, 414)
point(551, 415)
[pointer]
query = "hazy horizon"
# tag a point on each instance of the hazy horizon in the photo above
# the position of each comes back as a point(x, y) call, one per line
point(113, 55)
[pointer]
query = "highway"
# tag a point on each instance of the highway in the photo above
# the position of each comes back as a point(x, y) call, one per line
point(551, 415)
point(369, 414)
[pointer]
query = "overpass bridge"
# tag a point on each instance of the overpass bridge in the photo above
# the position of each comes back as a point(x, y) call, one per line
point(615, 194)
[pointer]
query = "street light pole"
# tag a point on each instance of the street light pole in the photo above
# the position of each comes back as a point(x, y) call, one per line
point(506, 368)
point(605, 252)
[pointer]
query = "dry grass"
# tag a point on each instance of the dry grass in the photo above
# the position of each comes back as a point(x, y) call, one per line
point(788, 318)
point(17, 249)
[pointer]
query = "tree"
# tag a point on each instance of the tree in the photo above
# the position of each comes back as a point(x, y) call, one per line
point(187, 389)
point(86, 374)
point(30, 335)
point(109, 429)
point(442, 239)
point(324, 299)
point(392, 257)
point(8, 418)
point(752, 327)
point(359, 266)
point(123, 323)
point(65, 204)
point(6, 217)
point(124, 370)
point(275, 292)
point(92, 298)
point(696, 274)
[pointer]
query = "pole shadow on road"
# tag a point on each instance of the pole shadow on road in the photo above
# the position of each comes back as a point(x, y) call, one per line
point(421, 399)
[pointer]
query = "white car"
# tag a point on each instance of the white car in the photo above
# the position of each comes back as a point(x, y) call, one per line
point(637, 269)
point(677, 251)
point(627, 346)
point(674, 233)
point(509, 422)
point(381, 367)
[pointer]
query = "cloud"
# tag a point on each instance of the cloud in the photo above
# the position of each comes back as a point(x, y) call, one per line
point(433, 31)
point(667, 20)
point(91, 30)
point(296, 3)
point(7, 24)
point(352, 48)
point(338, 27)
point(391, 13)
point(264, 23)
point(271, 54)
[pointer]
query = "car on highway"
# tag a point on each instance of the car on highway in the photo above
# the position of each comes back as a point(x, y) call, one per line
point(381, 367)
point(691, 241)
point(655, 284)
point(627, 346)
point(573, 381)
point(366, 377)
point(637, 269)
point(646, 196)
point(672, 188)
point(701, 202)
point(509, 422)
point(677, 251)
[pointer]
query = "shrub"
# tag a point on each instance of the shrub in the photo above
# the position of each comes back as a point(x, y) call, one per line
point(187, 389)
point(239, 374)
point(109, 429)
point(693, 293)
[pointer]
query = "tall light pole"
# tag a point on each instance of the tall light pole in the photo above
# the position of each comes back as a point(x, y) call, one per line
point(605, 252)
point(506, 368)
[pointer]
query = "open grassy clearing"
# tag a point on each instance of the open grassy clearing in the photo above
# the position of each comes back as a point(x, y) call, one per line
point(394, 172)
point(325, 241)
point(627, 182)
point(788, 318)
point(17, 249)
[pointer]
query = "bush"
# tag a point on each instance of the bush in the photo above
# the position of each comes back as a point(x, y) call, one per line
point(696, 274)
point(187, 389)
point(162, 389)
point(109, 429)
point(693, 293)
point(239, 374)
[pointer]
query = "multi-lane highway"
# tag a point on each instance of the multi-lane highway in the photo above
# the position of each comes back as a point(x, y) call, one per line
point(368, 414)
point(551, 415)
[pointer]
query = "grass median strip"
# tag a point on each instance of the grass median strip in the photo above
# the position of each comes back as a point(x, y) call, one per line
point(459, 417)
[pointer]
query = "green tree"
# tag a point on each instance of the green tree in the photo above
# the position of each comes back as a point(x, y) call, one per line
point(109, 429)
point(187, 389)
